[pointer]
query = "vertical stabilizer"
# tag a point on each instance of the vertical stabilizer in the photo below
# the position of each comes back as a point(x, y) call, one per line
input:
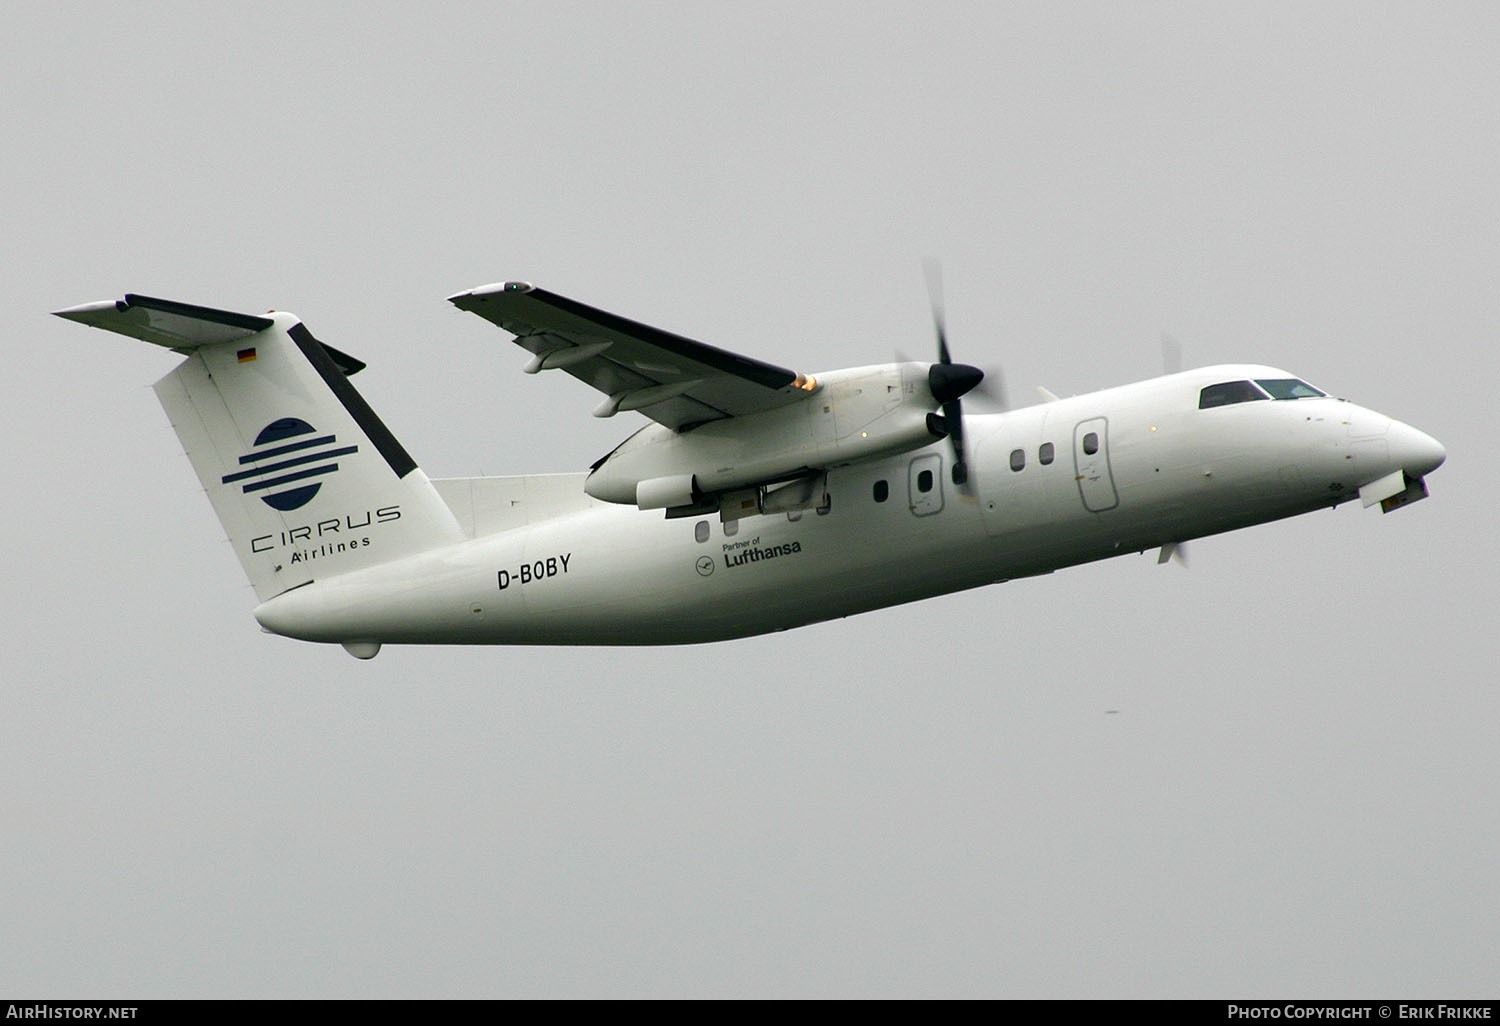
point(305, 478)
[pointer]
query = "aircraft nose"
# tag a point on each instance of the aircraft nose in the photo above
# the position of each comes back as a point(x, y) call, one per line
point(1417, 452)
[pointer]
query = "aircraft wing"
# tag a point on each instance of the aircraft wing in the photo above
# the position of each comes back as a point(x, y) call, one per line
point(673, 380)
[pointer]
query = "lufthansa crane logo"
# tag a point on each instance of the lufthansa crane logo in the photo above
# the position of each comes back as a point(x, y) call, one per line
point(285, 461)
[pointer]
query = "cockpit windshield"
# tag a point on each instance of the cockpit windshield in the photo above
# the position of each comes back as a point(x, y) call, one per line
point(1288, 388)
point(1227, 393)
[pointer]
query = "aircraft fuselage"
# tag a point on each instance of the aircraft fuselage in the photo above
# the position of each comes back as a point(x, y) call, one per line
point(1051, 486)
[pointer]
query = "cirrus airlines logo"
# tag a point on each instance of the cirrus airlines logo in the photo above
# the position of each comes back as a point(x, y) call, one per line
point(288, 455)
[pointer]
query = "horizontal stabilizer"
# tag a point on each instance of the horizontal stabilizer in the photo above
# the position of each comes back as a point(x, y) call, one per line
point(167, 323)
point(181, 327)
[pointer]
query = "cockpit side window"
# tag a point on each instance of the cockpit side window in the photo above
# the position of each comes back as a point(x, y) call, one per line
point(1228, 392)
point(1289, 388)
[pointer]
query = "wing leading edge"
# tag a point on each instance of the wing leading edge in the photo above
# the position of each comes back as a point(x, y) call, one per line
point(675, 381)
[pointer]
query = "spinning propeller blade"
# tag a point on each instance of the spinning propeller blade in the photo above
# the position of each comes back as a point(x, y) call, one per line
point(949, 381)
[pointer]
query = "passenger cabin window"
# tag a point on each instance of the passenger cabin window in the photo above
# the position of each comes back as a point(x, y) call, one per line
point(924, 481)
point(1228, 393)
point(882, 491)
point(700, 530)
point(1018, 459)
point(1289, 388)
point(1046, 453)
point(731, 528)
point(1090, 444)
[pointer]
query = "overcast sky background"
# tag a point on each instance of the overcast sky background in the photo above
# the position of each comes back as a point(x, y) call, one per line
point(1297, 796)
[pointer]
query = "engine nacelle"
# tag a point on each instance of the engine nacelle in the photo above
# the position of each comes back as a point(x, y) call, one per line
point(666, 492)
point(855, 414)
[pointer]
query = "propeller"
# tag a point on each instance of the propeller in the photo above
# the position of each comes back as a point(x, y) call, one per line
point(949, 381)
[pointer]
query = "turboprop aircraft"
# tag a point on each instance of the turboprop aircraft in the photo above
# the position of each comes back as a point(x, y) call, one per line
point(756, 499)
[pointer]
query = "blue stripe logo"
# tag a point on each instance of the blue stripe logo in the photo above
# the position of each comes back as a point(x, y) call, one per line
point(288, 455)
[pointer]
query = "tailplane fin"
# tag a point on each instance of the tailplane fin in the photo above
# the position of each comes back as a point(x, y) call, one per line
point(306, 479)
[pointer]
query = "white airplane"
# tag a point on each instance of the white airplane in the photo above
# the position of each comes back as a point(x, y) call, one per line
point(759, 499)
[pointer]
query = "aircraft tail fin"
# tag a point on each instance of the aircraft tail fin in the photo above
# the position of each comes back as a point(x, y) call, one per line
point(305, 478)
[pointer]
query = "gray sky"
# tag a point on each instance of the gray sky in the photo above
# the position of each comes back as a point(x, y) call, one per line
point(1297, 796)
